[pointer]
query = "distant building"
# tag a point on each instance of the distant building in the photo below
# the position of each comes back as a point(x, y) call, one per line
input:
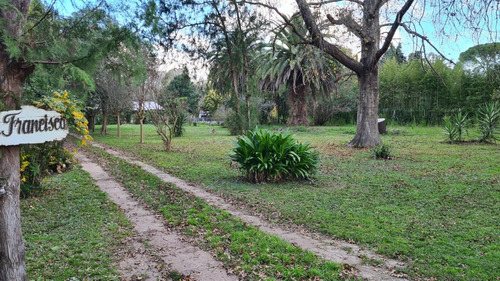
point(148, 105)
point(203, 116)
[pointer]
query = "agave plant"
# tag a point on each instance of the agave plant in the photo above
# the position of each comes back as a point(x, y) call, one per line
point(267, 156)
point(450, 129)
point(456, 126)
point(489, 118)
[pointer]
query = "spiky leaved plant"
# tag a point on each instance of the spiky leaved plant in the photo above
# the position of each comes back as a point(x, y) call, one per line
point(269, 157)
point(489, 118)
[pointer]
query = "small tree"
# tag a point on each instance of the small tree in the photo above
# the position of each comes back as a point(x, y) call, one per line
point(182, 86)
point(211, 101)
point(116, 96)
point(165, 118)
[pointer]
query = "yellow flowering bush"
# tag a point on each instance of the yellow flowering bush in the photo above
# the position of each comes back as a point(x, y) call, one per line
point(71, 110)
point(40, 160)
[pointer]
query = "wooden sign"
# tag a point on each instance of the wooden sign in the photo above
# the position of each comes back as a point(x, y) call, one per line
point(31, 125)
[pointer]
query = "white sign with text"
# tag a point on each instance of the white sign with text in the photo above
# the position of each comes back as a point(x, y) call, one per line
point(31, 125)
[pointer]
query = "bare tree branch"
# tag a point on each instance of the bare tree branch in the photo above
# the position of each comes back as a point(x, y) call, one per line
point(425, 39)
point(320, 42)
point(283, 16)
point(332, 1)
point(348, 21)
point(392, 31)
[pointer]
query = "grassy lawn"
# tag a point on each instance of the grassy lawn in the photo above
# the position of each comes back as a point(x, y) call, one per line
point(72, 231)
point(248, 252)
point(434, 205)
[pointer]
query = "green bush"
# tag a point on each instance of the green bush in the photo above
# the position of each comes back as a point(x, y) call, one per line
point(270, 157)
point(234, 123)
point(489, 118)
point(39, 161)
point(456, 126)
point(179, 129)
point(382, 151)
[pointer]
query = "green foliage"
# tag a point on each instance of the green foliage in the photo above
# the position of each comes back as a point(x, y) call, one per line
point(456, 126)
point(70, 109)
point(211, 101)
point(39, 161)
point(179, 129)
point(249, 251)
point(73, 232)
point(267, 156)
point(167, 118)
point(450, 129)
point(287, 62)
point(68, 49)
point(434, 205)
point(182, 87)
point(382, 151)
point(426, 92)
point(489, 119)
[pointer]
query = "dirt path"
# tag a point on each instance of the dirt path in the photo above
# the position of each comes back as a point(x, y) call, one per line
point(333, 250)
point(153, 245)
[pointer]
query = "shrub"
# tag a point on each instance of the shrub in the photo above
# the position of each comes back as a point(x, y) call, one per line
point(39, 161)
point(456, 125)
point(489, 117)
point(179, 129)
point(450, 129)
point(267, 156)
point(382, 151)
point(234, 123)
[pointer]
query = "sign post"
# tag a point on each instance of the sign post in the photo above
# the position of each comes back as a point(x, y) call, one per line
point(29, 125)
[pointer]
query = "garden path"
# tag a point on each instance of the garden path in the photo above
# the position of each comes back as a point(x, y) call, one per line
point(349, 254)
point(153, 245)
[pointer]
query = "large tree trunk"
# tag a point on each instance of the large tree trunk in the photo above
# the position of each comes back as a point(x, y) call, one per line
point(13, 73)
point(298, 105)
point(12, 265)
point(367, 133)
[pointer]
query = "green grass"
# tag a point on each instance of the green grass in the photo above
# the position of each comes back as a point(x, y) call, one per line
point(249, 252)
point(434, 205)
point(72, 230)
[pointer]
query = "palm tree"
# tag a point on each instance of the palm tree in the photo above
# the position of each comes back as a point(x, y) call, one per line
point(301, 67)
point(233, 58)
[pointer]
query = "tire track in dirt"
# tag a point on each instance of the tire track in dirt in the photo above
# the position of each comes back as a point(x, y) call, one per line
point(167, 246)
point(351, 255)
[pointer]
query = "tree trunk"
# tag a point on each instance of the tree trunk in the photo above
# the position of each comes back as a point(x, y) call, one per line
point(12, 265)
point(298, 105)
point(141, 123)
point(104, 128)
point(247, 101)
point(367, 129)
point(13, 73)
point(118, 125)
point(236, 98)
point(90, 115)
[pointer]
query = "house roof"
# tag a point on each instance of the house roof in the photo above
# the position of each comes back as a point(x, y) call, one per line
point(148, 105)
